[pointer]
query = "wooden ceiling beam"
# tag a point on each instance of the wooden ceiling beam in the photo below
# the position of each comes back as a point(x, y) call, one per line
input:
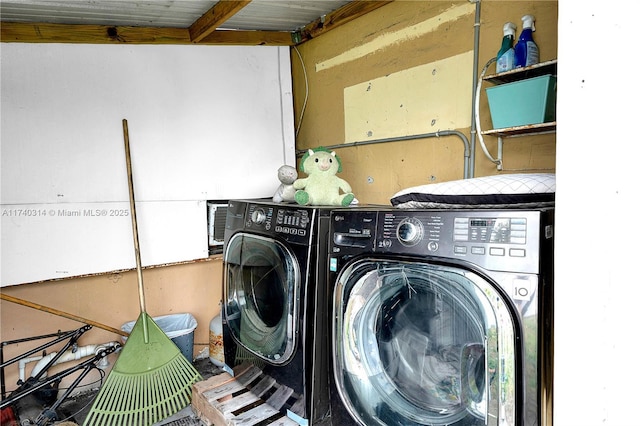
point(346, 13)
point(103, 34)
point(214, 18)
point(249, 38)
point(92, 34)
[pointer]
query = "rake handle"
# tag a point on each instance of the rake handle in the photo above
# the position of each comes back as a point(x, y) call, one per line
point(134, 225)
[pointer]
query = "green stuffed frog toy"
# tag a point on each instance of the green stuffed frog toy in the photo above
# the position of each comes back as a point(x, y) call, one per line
point(322, 187)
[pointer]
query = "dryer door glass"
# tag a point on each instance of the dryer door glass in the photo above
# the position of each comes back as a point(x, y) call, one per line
point(418, 344)
point(261, 292)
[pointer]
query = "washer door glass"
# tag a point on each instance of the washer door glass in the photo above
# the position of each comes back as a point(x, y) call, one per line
point(418, 344)
point(261, 292)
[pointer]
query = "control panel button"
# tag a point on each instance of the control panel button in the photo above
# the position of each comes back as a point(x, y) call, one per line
point(516, 252)
point(477, 250)
point(496, 251)
point(461, 229)
point(460, 250)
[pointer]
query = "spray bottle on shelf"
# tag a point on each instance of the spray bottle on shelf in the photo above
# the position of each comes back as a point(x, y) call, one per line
point(505, 60)
point(526, 49)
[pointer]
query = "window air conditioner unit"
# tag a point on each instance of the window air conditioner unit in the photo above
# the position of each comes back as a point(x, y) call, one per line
point(216, 219)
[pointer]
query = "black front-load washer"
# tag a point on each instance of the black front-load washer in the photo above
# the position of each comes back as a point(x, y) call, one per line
point(442, 317)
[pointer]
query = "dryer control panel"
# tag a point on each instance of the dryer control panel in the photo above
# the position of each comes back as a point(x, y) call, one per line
point(292, 223)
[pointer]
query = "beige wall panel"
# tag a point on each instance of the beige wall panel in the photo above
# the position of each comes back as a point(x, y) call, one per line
point(393, 40)
point(526, 154)
point(323, 117)
point(530, 153)
point(412, 101)
point(111, 299)
point(376, 172)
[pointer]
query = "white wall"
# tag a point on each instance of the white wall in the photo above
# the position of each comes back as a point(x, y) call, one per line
point(597, 290)
point(205, 122)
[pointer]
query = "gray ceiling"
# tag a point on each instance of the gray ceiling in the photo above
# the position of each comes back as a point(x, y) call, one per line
point(268, 15)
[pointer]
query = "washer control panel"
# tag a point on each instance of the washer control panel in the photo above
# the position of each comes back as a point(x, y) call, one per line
point(506, 240)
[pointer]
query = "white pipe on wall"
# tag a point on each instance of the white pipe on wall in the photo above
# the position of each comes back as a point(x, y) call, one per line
point(22, 364)
point(69, 355)
point(476, 118)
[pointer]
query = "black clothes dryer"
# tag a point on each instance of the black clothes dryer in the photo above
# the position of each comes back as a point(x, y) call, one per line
point(275, 312)
point(441, 317)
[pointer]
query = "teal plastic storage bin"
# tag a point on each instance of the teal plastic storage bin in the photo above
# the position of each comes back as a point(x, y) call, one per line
point(530, 101)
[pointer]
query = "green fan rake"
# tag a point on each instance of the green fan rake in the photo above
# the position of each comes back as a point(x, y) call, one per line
point(151, 379)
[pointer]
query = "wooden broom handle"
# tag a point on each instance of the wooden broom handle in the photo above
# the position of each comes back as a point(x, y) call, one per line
point(61, 313)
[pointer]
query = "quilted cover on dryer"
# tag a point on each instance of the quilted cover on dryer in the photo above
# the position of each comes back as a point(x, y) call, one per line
point(531, 190)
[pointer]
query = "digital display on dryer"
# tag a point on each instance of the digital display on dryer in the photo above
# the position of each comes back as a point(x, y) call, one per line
point(293, 218)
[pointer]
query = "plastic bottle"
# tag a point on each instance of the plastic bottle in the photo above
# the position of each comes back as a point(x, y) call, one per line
point(526, 49)
point(505, 60)
point(216, 348)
